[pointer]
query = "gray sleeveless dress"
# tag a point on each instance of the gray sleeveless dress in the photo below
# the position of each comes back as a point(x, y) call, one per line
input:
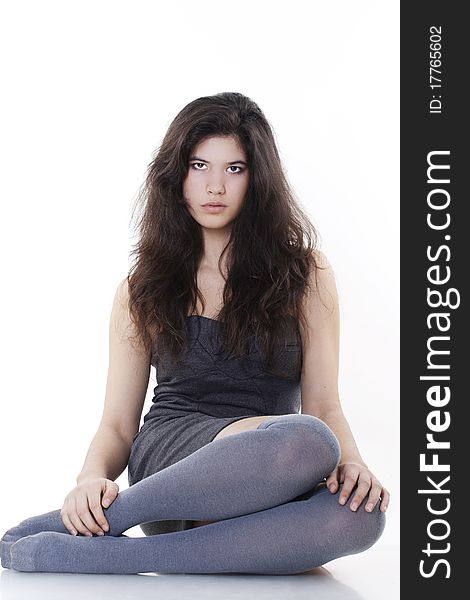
point(208, 390)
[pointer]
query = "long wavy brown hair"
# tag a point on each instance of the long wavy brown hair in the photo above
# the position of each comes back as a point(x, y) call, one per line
point(270, 248)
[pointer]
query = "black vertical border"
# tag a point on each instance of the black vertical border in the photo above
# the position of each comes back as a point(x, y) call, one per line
point(420, 133)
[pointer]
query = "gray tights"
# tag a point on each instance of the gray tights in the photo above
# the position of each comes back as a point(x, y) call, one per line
point(264, 487)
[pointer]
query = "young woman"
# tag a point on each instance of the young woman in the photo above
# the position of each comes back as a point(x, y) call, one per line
point(245, 461)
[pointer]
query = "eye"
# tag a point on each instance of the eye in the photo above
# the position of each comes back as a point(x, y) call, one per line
point(197, 168)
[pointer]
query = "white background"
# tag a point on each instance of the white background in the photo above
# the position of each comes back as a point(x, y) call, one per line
point(89, 89)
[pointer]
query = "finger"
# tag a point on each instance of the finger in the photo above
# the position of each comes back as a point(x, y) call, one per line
point(385, 500)
point(68, 524)
point(83, 510)
point(108, 497)
point(374, 495)
point(78, 524)
point(341, 474)
point(362, 488)
point(332, 481)
point(349, 483)
point(76, 521)
point(98, 514)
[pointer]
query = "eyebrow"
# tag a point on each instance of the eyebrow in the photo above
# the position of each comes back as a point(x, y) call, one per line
point(233, 162)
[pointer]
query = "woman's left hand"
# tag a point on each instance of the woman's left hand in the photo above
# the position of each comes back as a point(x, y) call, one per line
point(350, 474)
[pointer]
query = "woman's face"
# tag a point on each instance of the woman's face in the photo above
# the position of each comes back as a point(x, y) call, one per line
point(218, 173)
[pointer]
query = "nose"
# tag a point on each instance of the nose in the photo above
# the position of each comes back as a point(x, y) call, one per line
point(216, 186)
point(215, 191)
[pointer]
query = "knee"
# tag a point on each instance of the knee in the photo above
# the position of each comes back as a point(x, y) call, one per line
point(361, 528)
point(370, 528)
point(323, 441)
point(313, 443)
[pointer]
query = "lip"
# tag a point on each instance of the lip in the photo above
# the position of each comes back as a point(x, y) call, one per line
point(213, 208)
point(214, 204)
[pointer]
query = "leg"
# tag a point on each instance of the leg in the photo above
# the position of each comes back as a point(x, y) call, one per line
point(52, 521)
point(285, 456)
point(291, 538)
point(235, 427)
point(244, 425)
point(49, 522)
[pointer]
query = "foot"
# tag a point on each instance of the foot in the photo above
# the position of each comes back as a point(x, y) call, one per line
point(50, 521)
point(53, 552)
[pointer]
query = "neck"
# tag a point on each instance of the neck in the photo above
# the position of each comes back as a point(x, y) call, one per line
point(215, 241)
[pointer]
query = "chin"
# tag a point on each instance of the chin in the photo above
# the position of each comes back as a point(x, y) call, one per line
point(211, 224)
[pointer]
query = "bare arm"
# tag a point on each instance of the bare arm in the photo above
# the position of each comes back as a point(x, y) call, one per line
point(319, 390)
point(336, 421)
point(320, 396)
point(107, 455)
point(126, 387)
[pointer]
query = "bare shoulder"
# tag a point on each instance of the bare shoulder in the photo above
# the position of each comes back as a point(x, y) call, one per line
point(120, 310)
point(321, 258)
point(122, 327)
point(122, 292)
point(322, 298)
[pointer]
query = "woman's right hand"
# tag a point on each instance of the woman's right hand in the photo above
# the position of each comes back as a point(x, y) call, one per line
point(82, 511)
